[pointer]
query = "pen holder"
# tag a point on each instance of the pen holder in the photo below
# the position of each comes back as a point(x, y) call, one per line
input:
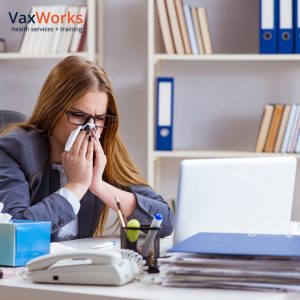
point(144, 240)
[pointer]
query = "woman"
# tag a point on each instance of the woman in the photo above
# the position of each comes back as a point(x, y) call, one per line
point(75, 189)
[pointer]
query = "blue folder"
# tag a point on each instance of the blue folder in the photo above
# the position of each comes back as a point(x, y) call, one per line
point(296, 26)
point(164, 113)
point(237, 244)
point(268, 40)
point(285, 30)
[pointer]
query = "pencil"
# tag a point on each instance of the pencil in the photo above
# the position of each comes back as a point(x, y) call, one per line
point(119, 212)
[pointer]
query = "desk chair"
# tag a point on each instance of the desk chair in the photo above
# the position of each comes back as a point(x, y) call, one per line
point(9, 116)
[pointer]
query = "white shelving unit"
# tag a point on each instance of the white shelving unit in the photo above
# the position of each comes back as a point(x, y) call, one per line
point(276, 81)
point(90, 52)
point(225, 57)
point(32, 69)
point(213, 154)
point(17, 55)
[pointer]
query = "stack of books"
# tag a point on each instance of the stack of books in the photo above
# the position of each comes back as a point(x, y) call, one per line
point(184, 29)
point(279, 129)
point(56, 29)
point(234, 261)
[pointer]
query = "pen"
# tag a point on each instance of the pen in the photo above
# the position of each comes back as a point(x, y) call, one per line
point(104, 245)
point(156, 222)
point(119, 212)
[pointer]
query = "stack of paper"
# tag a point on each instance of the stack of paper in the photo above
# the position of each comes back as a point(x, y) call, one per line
point(249, 267)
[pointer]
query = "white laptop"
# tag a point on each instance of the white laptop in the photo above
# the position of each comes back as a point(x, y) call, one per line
point(237, 195)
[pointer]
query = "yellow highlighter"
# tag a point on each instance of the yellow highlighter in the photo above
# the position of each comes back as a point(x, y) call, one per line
point(132, 234)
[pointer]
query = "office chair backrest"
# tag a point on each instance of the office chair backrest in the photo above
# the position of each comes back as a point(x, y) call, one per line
point(8, 116)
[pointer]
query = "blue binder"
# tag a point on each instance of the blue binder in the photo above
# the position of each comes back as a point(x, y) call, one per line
point(297, 25)
point(264, 245)
point(164, 113)
point(285, 31)
point(268, 26)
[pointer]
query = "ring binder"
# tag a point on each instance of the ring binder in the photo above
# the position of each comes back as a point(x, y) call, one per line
point(164, 118)
point(286, 35)
point(268, 26)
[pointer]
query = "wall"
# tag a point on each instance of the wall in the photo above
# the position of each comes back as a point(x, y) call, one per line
point(125, 59)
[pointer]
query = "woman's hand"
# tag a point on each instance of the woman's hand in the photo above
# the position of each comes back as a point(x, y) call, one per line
point(99, 164)
point(78, 164)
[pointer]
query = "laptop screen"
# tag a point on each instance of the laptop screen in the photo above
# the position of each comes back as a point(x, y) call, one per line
point(236, 195)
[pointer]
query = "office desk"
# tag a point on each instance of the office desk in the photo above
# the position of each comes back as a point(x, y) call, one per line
point(17, 288)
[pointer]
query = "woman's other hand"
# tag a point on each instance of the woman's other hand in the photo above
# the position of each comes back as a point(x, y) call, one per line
point(99, 163)
point(78, 164)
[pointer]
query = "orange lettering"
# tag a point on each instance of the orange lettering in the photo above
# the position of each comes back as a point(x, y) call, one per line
point(79, 19)
point(55, 19)
point(42, 16)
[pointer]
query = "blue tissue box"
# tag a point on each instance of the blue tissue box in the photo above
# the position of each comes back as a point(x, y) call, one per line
point(23, 240)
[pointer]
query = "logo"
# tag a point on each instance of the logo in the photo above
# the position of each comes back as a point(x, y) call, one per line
point(46, 18)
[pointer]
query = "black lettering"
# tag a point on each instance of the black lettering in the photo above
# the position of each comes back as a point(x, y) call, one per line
point(22, 19)
point(11, 18)
point(31, 18)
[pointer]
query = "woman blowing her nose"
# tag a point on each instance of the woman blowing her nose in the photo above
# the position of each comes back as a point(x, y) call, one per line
point(74, 189)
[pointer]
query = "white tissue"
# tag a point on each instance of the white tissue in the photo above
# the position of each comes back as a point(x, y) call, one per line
point(4, 218)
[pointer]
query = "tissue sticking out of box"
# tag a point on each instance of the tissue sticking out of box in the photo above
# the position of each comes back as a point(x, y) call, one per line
point(4, 218)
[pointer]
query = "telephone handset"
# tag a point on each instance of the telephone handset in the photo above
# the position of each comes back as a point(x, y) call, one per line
point(86, 267)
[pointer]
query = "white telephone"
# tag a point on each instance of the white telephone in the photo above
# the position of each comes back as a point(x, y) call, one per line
point(86, 267)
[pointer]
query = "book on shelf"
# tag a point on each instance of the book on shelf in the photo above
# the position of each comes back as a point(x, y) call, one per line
point(197, 30)
point(297, 148)
point(287, 135)
point(61, 9)
point(165, 26)
point(203, 20)
point(279, 129)
point(294, 132)
point(66, 36)
point(174, 24)
point(274, 127)
point(264, 127)
point(282, 127)
point(184, 28)
point(190, 28)
point(25, 42)
point(296, 136)
point(54, 31)
point(78, 38)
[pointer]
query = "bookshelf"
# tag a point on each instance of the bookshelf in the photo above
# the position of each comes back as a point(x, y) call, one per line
point(17, 55)
point(219, 98)
point(225, 57)
point(214, 154)
point(38, 65)
point(92, 23)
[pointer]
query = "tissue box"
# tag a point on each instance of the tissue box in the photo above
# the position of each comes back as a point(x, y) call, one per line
point(23, 240)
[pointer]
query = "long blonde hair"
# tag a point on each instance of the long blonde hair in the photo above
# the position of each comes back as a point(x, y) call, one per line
point(68, 81)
